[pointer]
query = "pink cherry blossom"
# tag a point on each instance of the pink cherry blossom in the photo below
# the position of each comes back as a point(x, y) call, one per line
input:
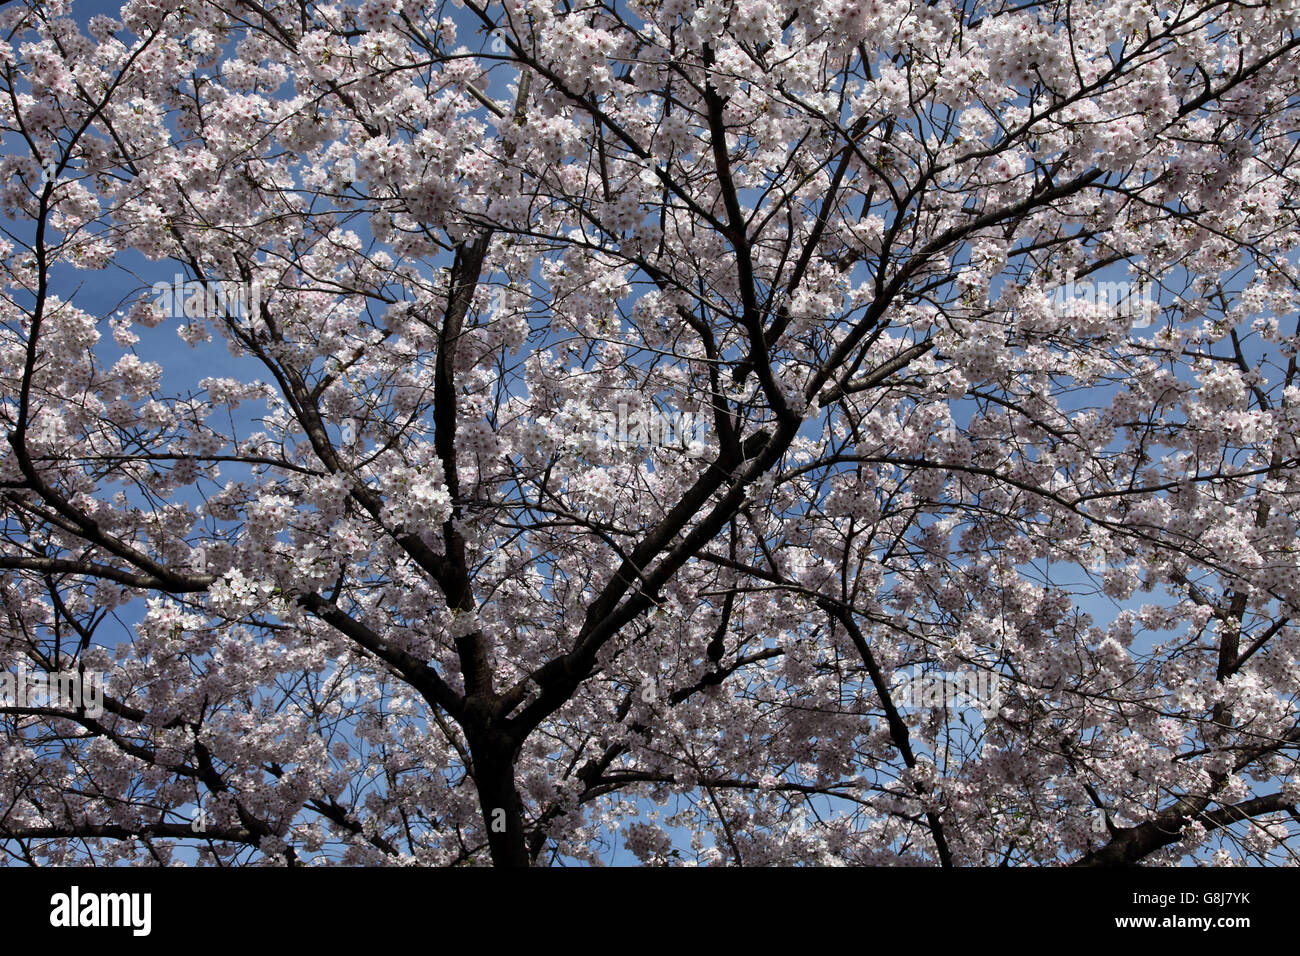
point(372, 577)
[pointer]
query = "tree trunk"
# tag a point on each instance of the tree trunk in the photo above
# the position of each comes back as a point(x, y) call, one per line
point(503, 811)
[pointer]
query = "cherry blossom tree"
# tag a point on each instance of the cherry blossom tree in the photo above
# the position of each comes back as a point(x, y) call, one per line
point(368, 575)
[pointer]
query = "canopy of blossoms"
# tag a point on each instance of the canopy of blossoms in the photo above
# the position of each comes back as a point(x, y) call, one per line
point(728, 432)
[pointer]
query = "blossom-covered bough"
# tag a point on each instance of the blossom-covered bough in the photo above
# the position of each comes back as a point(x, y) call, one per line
point(370, 583)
